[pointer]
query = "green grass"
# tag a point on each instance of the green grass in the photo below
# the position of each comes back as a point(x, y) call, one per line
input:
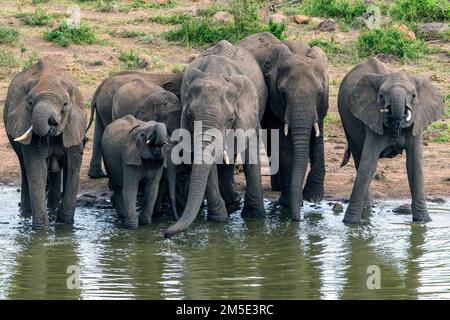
point(105, 5)
point(421, 10)
point(203, 30)
point(32, 59)
point(441, 131)
point(38, 18)
point(332, 119)
point(336, 53)
point(7, 59)
point(65, 36)
point(345, 9)
point(390, 41)
point(142, 4)
point(178, 68)
point(147, 39)
point(177, 18)
point(9, 35)
point(131, 58)
point(329, 47)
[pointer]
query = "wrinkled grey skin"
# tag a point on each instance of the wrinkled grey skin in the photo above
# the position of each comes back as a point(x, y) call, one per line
point(297, 79)
point(101, 105)
point(133, 154)
point(49, 100)
point(224, 88)
point(373, 104)
point(148, 101)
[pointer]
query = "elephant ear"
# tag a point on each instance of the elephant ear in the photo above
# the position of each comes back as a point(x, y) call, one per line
point(174, 85)
point(318, 54)
point(131, 154)
point(364, 102)
point(76, 124)
point(430, 104)
point(246, 100)
point(18, 119)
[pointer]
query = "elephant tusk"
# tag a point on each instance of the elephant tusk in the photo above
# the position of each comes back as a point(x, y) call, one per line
point(408, 115)
point(148, 142)
point(225, 157)
point(25, 136)
point(286, 129)
point(317, 129)
point(384, 110)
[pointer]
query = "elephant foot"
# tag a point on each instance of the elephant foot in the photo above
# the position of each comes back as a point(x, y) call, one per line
point(217, 215)
point(275, 182)
point(66, 219)
point(313, 192)
point(96, 173)
point(231, 198)
point(25, 213)
point(284, 201)
point(351, 218)
point(131, 222)
point(424, 217)
point(253, 212)
point(40, 223)
point(144, 220)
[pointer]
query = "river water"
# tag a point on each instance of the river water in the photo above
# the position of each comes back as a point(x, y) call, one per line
point(316, 258)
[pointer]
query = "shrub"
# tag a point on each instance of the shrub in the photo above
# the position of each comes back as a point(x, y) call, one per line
point(105, 6)
point(8, 35)
point(65, 36)
point(347, 9)
point(38, 18)
point(131, 58)
point(421, 10)
point(177, 18)
point(389, 41)
point(204, 30)
point(32, 59)
point(7, 59)
point(440, 131)
point(329, 47)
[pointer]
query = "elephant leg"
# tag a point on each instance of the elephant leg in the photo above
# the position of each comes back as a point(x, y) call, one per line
point(66, 210)
point(229, 195)
point(151, 188)
point(313, 191)
point(117, 202)
point(161, 193)
point(285, 170)
point(415, 179)
point(54, 191)
point(25, 206)
point(216, 205)
point(254, 199)
point(129, 194)
point(368, 202)
point(37, 179)
point(95, 166)
point(366, 170)
point(171, 178)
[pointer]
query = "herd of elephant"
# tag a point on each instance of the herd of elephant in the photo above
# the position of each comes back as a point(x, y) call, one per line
point(261, 82)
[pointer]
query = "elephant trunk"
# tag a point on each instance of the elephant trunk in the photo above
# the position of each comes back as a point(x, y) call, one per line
point(301, 125)
point(45, 119)
point(160, 134)
point(398, 105)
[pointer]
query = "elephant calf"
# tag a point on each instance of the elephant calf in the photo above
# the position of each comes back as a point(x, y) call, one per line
point(45, 122)
point(133, 153)
point(384, 112)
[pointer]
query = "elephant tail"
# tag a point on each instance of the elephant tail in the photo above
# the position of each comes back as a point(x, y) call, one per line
point(346, 157)
point(91, 117)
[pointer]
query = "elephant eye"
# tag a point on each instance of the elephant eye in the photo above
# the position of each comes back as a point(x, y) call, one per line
point(381, 96)
point(414, 95)
point(29, 104)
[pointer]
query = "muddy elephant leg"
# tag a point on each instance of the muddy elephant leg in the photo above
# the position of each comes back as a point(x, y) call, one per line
point(54, 191)
point(216, 205)
point(415, 179)
point(285, 160)
point(95, 166)
point(37, 180)
point(66, 210)
point(366, 170)
point(313, 191)
point(253, 199)
point(226, 174)
point(151, 194)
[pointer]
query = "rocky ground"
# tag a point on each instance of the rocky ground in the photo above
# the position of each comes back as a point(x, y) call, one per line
point(92, 63)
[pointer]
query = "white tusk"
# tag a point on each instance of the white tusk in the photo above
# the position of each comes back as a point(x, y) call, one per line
point(286, 129)
point(225, 157)
point(408, 115)
point(384, 110)
point(25, 136)
point(317, 129)
point(148, 141)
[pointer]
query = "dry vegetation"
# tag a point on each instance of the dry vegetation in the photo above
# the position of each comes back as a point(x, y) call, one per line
point(119, 35)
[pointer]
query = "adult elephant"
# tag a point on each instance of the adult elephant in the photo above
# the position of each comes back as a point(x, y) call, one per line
point(383, 113)
point(223, 89)
point(45, 123)
point(101, 105)
point(147, 101)
point(297, 79)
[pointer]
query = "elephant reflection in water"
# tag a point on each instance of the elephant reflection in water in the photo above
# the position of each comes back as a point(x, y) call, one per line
point(40, 268)
point(394, 283)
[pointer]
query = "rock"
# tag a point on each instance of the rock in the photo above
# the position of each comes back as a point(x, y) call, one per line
point(436, 200)
point(327, 25)
point(338, 208)
point(379, 176)
point(432, 31)
point(223, 16)
point(358, 23)
point(145, 62)
point(407, 32)
point(301, 19)
point(404, 208)
point(278, 17)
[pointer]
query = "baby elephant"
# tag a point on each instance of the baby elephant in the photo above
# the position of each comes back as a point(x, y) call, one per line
point(134, 153)
point(383, 113)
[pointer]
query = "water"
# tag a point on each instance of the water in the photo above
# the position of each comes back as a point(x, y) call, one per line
point(316, 258)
